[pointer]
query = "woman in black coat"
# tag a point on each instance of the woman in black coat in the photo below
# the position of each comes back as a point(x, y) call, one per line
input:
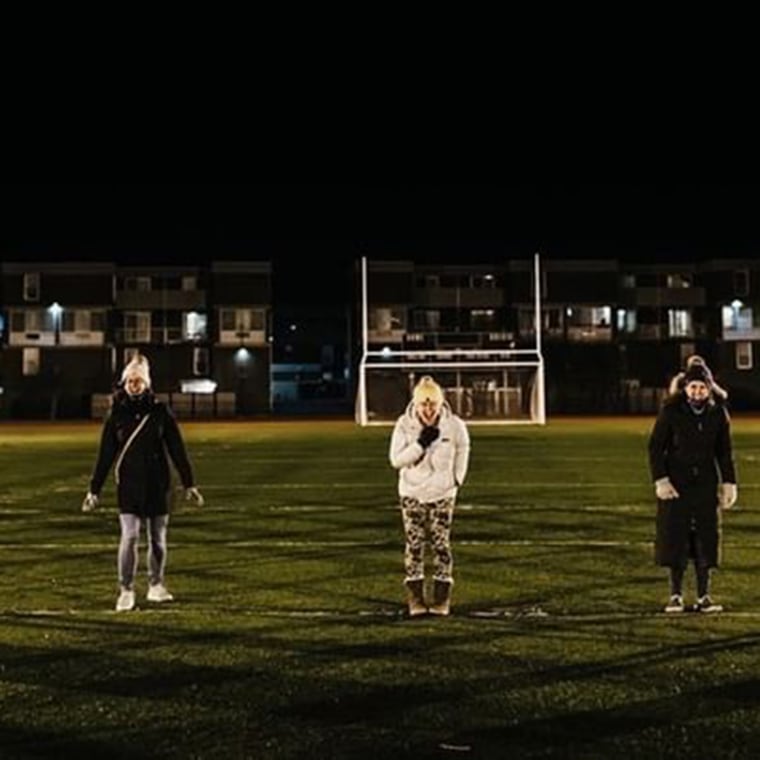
point(137, 434)
point(691, 462)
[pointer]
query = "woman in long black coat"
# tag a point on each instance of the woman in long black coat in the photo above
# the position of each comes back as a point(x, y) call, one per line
point(691, 462)
point(137, 434)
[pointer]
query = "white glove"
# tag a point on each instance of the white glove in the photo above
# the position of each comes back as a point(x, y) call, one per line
point(727, 493)
point(193, 494)
point(90, 502)
point(664, 489)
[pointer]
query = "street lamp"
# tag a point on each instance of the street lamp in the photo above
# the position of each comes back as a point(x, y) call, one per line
point(55, 309)
point(736, 305)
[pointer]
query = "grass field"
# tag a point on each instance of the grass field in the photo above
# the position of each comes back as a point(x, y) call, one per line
point(287, 638)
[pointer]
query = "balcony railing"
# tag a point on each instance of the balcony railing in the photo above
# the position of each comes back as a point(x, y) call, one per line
point(155, 335)
point(242, 337)
point(32, 338)
point(747, 333)
point(82, 338)
point(589, 333)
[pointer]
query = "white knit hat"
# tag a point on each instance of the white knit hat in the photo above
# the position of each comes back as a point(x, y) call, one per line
point(427, 390)
point(137, 365)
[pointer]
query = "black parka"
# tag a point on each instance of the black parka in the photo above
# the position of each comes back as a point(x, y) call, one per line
point(141, 466)
point(694, 451)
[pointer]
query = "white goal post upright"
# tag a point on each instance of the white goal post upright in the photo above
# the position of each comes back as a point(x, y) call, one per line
point(540, 387)
point(362, 392)
point(486, 386)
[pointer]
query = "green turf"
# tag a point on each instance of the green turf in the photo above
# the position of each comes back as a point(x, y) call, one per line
point(287, 639)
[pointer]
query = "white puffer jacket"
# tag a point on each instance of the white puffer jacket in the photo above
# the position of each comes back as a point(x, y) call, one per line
point(436, 472)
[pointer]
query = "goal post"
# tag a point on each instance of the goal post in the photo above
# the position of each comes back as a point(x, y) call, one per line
point(493, 386)
point(480, 387)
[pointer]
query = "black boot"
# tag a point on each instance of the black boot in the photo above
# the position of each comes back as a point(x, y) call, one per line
point(415, 597)
point(441, 598)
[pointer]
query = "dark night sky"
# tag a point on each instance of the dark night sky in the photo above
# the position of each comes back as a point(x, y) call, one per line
point(334, 224)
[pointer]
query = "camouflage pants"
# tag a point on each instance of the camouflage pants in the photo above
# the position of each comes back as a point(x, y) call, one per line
point(427, 522)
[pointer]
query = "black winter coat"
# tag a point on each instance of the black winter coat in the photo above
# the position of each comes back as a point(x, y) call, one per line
point(141, 471)
point(694, 451)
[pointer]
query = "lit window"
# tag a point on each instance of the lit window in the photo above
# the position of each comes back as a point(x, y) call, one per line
point(195, 326)
point(30, 361)
point(200, 361)
point(743, 355)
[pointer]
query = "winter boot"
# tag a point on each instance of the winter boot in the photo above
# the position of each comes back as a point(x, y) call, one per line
point(415, 597)
point(441, 598)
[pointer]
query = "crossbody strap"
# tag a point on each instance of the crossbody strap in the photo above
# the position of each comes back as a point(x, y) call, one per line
point(127, 445)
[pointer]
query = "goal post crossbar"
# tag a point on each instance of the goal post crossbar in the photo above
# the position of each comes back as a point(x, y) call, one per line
point(432, 366)
point(506, 353)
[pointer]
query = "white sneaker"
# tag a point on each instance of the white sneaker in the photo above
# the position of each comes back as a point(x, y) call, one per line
point(705, 604)
point(675, 604)
point(159, 593)
point(126, 600)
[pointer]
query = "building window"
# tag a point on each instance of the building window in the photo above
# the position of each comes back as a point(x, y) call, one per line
point(552, 319)
point(195, 326)
point(679, 323)
point(455, 281)
point(601, 316)
point(485, 281)
point(526, 321)
point(32, 286)
point(81, 320)
point(30, 361)
point(200, 362)
point(137, 283)
point(588, 316)
point(679, 280)
point(736, 317)
point(137, 327)
point(386, 319)
point(30, 320)
point(427, 319)
point(741, 282)
point(483, 319)
point(242, 320)
point(190, 282)
point(98, 321)
point(743, 354)
point(626, 320)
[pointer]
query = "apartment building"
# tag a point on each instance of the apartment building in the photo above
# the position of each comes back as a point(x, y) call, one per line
point(69, 328)
point(613, 332)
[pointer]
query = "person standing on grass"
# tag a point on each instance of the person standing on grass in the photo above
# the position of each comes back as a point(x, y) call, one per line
point(137, 434)
point(430, 448)
point(692, 466)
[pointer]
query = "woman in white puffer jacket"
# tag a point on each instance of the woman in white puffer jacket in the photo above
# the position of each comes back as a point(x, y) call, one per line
point(430, 448)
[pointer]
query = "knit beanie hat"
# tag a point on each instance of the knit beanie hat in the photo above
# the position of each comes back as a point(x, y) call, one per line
point(699, 373)
point(137, 365)
point(427, 390)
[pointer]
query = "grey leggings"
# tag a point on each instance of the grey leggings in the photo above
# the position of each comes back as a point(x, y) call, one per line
point(129, 544)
